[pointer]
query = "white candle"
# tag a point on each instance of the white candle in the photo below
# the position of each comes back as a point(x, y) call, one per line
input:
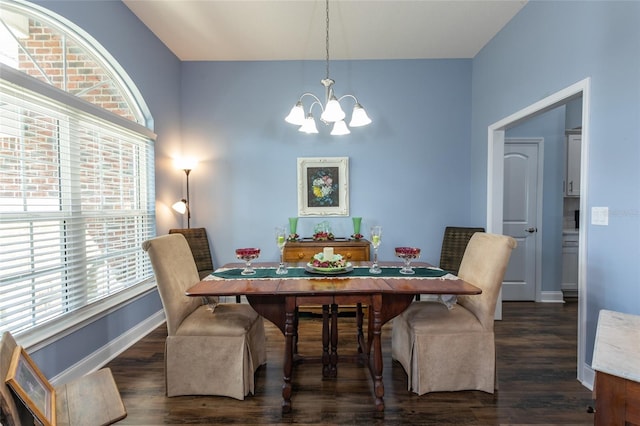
point(327, 253)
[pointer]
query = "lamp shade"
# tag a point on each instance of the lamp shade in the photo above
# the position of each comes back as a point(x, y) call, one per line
point(296, 115)
point(309, 125)
point(333, 111)
point(340, 128)
point(180, 206)
point(359, 116)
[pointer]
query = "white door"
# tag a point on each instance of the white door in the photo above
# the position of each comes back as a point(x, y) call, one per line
point(522, 185)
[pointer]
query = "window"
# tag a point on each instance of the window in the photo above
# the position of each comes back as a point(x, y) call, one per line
point(76, 182)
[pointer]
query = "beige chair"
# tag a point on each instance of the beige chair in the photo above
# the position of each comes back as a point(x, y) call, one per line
point(206, 353)
point(93, 399)
point(454, 349)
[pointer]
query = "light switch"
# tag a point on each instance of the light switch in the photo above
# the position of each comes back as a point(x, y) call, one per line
point(600, 216)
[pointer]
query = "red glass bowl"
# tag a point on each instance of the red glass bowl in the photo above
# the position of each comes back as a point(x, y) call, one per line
point(408, 252)
point(244, 253)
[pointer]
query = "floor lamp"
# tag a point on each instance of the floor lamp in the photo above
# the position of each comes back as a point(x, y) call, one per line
point(182, 206)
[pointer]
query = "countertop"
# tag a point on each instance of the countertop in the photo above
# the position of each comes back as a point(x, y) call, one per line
point(616, 346)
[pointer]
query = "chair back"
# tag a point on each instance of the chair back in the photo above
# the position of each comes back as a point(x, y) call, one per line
point(175, 272)
point(454, 243)
point(484, 263)
point(199, 245)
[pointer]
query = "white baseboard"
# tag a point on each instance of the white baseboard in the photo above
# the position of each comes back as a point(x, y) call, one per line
point(551, 297)
point(108, 352)
point(588, 377)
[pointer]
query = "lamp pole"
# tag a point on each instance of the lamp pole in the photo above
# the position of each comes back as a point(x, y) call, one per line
point(187, 171)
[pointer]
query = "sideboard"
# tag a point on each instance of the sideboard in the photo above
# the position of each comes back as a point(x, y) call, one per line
point(303, 250)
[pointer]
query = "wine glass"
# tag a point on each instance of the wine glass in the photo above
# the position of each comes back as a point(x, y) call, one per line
point(247, 254)
point(407, 254)
point(281, 240)
point(376, 239)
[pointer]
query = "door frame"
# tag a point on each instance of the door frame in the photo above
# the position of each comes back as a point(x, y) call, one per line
point(495, 184)
point(539, 143)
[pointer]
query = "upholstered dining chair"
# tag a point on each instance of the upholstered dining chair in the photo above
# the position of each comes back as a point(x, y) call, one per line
point(199, 244)
point(445, 349)
point(206, 352)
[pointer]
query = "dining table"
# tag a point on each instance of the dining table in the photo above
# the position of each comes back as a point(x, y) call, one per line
point(278, 297)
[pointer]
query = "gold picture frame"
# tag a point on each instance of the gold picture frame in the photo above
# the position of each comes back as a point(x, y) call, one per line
point(28, 382)
point(323, 186)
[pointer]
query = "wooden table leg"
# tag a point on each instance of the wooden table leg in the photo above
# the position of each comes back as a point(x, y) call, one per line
point(359, 319)
point(376, 367)
point(295, 331)
point(326, 359)
point(290, 305)
point(334, 341)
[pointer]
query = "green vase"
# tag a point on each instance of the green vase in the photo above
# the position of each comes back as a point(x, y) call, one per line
point(356, 225)
point(293, 225)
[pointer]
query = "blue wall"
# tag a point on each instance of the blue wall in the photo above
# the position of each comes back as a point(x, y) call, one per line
point(549, 46)
point(409, 169)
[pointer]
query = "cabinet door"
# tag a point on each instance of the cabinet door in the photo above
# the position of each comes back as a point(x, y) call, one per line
point(572, 183)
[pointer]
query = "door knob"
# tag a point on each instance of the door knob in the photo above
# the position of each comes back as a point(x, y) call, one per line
point(531, 230)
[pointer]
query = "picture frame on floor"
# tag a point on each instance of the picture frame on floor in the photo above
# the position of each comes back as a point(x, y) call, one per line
point(32, 387)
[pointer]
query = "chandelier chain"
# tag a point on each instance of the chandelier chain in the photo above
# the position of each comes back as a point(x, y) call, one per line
point(327, 37)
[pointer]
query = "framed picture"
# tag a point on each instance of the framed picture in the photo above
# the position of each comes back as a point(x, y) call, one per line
point(32, 387)
point(323, 186)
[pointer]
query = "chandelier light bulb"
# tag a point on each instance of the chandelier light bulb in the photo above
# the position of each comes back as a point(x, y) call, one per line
point(359, 116)
point(309, 125)
point(332, 112)
point(296, 115)
point(340, 128)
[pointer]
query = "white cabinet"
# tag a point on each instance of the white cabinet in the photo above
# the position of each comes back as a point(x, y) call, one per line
point(572, 172)
point(570, 262)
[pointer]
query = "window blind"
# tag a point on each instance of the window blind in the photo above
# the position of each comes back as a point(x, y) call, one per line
point(76, 203)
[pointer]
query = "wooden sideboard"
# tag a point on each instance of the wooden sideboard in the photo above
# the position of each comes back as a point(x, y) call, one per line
point(303, 250)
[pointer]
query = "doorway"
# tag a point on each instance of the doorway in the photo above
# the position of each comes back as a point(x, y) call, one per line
point(495, 192)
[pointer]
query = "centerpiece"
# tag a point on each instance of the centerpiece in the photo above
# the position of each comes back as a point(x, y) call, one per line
point(328, 262)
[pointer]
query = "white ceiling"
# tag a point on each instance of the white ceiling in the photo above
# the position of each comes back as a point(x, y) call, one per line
point(244, 30)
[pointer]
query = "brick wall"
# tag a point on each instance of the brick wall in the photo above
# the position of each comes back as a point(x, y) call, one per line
point(71, 68)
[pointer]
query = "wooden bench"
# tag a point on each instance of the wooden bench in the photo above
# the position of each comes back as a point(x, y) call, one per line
point(91, 400)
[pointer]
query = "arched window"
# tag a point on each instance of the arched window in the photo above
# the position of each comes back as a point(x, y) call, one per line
point(77, 172)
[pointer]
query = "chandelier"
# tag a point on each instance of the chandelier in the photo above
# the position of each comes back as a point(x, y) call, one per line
point(331, 110)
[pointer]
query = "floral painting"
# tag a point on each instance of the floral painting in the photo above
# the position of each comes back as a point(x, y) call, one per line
point(323, 186)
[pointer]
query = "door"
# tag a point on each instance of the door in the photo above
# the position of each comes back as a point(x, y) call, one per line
point(522, 185)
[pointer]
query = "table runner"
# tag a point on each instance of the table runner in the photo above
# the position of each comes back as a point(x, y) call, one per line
point(358, 272)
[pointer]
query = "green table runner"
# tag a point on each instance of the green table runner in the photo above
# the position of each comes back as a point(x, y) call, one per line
point(387, 272)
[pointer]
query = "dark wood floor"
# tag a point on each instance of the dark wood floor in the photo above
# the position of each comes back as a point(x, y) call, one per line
point(536, 346)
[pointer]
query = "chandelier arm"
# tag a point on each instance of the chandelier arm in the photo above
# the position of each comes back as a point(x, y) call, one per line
point(316, 102)
point(348, 96)
point(309, 94)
